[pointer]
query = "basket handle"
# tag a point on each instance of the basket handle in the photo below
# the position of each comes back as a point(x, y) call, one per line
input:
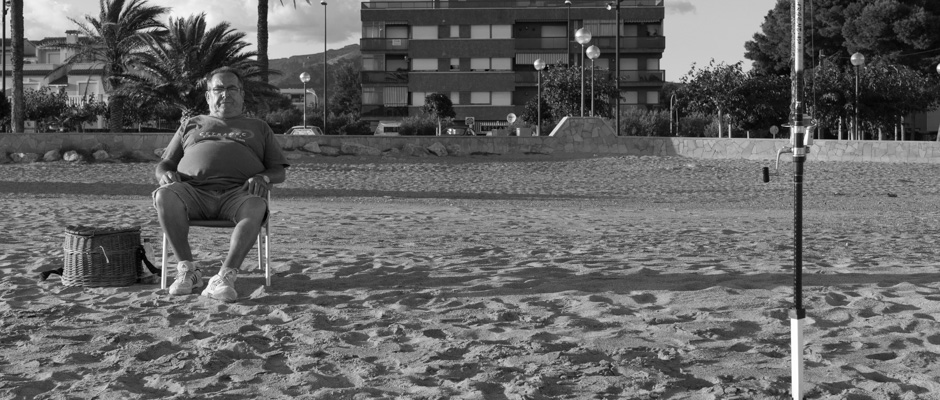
point(105, 254)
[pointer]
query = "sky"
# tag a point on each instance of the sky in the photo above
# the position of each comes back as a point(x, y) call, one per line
point(696, 31)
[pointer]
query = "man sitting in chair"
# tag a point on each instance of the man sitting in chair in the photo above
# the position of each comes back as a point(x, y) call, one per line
point(217, 166)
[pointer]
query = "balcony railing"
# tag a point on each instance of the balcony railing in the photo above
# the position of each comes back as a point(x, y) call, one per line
point(540, 43)
point(384, 77)
point(439, 4)
point(381, 111)
point(642, 76)
point(374, 44)
point(631, 42)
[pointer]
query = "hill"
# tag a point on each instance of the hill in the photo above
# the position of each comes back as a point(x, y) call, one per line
point(291, 67)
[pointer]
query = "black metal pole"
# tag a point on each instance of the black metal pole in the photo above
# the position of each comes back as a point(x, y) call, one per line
point(617, 66)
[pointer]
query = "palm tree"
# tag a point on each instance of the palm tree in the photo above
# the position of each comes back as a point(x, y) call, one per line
point(16, 24)
point(118, 35)
point(172, 71)
point(263, 36)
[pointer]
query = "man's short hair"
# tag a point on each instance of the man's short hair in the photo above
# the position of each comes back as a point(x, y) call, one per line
point(225, 70)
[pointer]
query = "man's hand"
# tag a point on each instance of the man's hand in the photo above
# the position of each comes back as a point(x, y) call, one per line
point(169, 177)
point(257, 186)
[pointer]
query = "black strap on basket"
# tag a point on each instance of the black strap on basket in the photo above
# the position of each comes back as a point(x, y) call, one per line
point(142, 257)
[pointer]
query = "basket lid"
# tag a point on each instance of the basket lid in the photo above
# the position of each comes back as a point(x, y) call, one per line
point(83, 230)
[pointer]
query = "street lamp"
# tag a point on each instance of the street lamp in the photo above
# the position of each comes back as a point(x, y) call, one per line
point(305, 77)
point(568, 33)
point(592, 53)
point(583, 36)
point(857, 60)
point(539, 66)
point(611, 6)
point(326, 97)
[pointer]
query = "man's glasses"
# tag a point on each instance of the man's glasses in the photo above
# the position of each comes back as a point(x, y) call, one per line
point(227, 90)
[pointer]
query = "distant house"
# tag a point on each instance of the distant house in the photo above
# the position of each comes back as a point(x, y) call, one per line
point(296, 97)
point(44, 66)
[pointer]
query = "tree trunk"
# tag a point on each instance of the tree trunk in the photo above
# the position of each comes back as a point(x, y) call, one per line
point(719, 124)
point(116, 108)
point(263, 39)
point(16, 25)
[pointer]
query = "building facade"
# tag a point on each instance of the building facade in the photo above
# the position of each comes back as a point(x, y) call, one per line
point(480, 53)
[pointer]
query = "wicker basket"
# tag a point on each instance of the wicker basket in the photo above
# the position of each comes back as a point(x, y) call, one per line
point(96, 256)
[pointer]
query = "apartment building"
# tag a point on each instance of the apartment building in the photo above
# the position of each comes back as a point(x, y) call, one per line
point(44, 66)
point(481, 52)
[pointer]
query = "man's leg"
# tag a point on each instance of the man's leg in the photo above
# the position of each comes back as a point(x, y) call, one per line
point(248, 219)
point(171, 212)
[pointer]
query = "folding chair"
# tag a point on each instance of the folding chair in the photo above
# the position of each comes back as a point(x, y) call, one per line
point(264, 257)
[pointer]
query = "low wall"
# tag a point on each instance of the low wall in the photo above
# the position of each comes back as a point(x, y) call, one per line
point(577, 135)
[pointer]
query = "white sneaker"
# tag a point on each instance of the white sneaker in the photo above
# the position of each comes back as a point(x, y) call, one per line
point(188, 277)
point(222, 287)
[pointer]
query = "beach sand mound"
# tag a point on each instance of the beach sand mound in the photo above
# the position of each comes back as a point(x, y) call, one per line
point(492, 278)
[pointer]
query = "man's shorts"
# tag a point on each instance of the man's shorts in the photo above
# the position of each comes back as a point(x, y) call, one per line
point(209, 204)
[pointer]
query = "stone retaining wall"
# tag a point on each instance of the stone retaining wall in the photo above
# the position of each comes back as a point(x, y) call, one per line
point(573, 135)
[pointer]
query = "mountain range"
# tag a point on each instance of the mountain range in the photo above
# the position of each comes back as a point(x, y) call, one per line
point(291, 67)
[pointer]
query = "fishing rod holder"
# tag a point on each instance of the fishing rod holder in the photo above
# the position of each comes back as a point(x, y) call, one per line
point(797, 151)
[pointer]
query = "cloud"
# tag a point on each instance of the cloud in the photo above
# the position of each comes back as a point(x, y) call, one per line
point(290, 30)
point(680, 7)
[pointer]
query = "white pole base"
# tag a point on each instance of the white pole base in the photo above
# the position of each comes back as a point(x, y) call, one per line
point(796, 358)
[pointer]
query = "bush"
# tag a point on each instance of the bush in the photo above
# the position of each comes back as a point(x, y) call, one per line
point(282, 120)
point(642, 122)
point(422, 125)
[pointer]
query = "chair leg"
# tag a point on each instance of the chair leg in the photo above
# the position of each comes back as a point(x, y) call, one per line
point(163, 264)
point(267, 256)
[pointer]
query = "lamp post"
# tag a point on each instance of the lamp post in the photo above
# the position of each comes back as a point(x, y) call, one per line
point(857, 60)
point(583, 36)
point(617, 61)
point(326, 97)
point(938, 129)
point(305, 77)
point(593, 52)
point(568, 33)
point(539, 66)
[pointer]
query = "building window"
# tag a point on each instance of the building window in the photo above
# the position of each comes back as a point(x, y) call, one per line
point(455, 97)
point(553, 31)
point(652, 97)
point(630, 97)
point(629, 64)
point(396, 32)
point(373, 30)
point(479, 64)
point(424, 64)
point(480, 98)
point(369, 63)
point(87, 88)
point(424, 32)
point(479, 31)
point(455, 31)
point(370, 96)
point(417, 98)
point(395, 96)
point(502, 32)
point(455, 64)
point(502, 98)
point(501, 64)
point(601, 27)
point(652, 64)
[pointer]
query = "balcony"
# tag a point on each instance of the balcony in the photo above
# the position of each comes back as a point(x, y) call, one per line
point(656, 76)
point(384, 77)
point(444, 4)
point(631, 43)
point(382, 44)
point(540, 43)
point(382, 111)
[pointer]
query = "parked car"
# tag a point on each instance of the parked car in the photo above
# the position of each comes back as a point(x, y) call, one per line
point(459, 130)
point(308, 130)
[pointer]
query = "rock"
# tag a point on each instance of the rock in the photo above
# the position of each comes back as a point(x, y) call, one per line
point(392, 152)
point(52, 155)
point(293, 155)
point(438, 149)
point(329, 151)
point(312, 147)
point(159, 152)
point(412, 149)
point(100, 155)
point(4, 158)
point(455, 149)
point(72, 156)
point(100, 146)
point(541, 150)
point(24, 158)
point(355, 149)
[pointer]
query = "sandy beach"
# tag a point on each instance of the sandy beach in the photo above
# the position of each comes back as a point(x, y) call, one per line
point(493, 277)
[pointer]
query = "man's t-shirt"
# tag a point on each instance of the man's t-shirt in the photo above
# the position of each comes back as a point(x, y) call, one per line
point(220, 154)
